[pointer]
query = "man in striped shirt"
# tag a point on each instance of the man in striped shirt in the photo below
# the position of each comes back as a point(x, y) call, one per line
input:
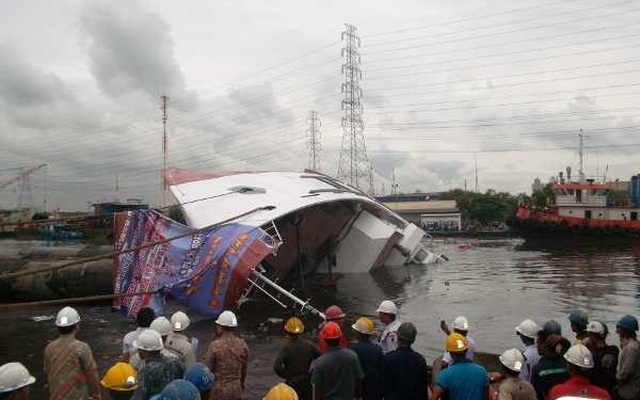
point(69, 368)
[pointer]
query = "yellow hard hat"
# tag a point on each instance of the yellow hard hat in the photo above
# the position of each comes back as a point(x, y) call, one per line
point(294, 325)
point(456, 343)
point(121, 377)
point(281, 391)
point(365, 326)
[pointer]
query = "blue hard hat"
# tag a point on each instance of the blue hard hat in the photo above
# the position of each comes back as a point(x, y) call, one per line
point(628, 322)
point(579, 318)
point(200, 375)
point(180, 389)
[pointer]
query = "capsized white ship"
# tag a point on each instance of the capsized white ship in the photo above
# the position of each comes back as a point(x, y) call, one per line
point(325, 225)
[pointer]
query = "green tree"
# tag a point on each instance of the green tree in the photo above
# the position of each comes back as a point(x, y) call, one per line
point(543, 197)
point(481, 209)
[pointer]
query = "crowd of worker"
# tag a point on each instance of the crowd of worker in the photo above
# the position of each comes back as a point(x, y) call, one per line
point(158, 361)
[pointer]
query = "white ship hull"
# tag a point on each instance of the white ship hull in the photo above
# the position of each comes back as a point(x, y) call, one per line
point(324, 224)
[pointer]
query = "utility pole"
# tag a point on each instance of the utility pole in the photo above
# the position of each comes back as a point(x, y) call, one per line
point(46, 189)
point(372, 188)
point(475, 163)
point(314, 140)
point(353, 166)
point(163, 178)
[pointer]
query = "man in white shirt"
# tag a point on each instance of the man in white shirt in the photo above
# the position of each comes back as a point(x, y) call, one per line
point(144, 318)
point(528, 332)
point(387, 312)
point(460, 325)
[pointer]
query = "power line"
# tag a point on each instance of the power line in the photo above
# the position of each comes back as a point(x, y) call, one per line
point(509, 150)
point(519, 29)
point(519, 75)
point(461, 20)
point(506, 53)
point(531, 133)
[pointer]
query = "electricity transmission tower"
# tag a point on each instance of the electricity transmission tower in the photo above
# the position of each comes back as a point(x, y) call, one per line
point(354, 167)
point(314, 140)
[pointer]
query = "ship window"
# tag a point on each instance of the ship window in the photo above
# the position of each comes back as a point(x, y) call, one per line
point(579, 196)
point(634, 215)
point(587, 214)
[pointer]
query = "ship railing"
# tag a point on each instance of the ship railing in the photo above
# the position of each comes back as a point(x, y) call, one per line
point(272, 230)
point(259, 282)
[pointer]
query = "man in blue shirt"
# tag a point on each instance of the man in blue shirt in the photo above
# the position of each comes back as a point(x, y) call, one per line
point(463, 379)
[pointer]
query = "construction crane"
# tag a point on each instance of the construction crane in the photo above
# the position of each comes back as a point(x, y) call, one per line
point(22, 175)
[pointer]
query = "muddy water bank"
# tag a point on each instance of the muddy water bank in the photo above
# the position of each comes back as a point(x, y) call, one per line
point(81, 279)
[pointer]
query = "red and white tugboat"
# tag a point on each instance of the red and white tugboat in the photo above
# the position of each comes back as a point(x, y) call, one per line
point(584, 207)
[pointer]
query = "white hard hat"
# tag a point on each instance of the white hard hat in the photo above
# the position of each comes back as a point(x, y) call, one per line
point(387, 307)
point(512, 359)
point(66, 317)
point(575, 398)
point(149, 340)
point(528, 328)
point(13, 376)
point(161, 325)
point(228, 319)
point(180, 321)
point(597, 327)
point(460, 323)
point(579, 355)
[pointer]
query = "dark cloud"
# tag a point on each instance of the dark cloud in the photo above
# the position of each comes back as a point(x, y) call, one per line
point(130, 48)
point(257, 102)
point(22, 84)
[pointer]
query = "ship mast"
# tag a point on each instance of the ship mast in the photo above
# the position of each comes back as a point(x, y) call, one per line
point(580, 152)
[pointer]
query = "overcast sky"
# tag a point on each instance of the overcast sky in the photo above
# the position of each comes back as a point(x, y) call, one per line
point(444, 83)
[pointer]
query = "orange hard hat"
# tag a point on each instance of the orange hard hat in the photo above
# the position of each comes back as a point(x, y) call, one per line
point(333, 312)
point(331, 330)
point(456, 343)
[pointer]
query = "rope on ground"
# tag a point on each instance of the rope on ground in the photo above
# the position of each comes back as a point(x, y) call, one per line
point(18, 274)
point(72, 300)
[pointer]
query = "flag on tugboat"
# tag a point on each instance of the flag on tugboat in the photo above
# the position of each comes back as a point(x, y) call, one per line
point(207, 270)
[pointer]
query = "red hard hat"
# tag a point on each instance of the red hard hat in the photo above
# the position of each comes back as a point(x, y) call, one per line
point(333, 312)
point(331, 330)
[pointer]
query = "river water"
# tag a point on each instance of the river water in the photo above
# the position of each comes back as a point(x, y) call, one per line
point(495, 283)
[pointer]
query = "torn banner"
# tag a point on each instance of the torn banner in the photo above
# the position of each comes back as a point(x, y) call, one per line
point(207, 270)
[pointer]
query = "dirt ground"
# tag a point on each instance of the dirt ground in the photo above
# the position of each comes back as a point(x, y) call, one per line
point(23, 339)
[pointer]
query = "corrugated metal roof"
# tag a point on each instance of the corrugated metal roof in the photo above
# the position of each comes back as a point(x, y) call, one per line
point(439, 206)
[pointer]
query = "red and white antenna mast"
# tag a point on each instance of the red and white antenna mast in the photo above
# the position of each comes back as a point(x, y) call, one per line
point(163, 178)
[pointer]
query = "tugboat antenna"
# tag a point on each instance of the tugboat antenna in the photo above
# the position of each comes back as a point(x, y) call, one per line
point(581, 135)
